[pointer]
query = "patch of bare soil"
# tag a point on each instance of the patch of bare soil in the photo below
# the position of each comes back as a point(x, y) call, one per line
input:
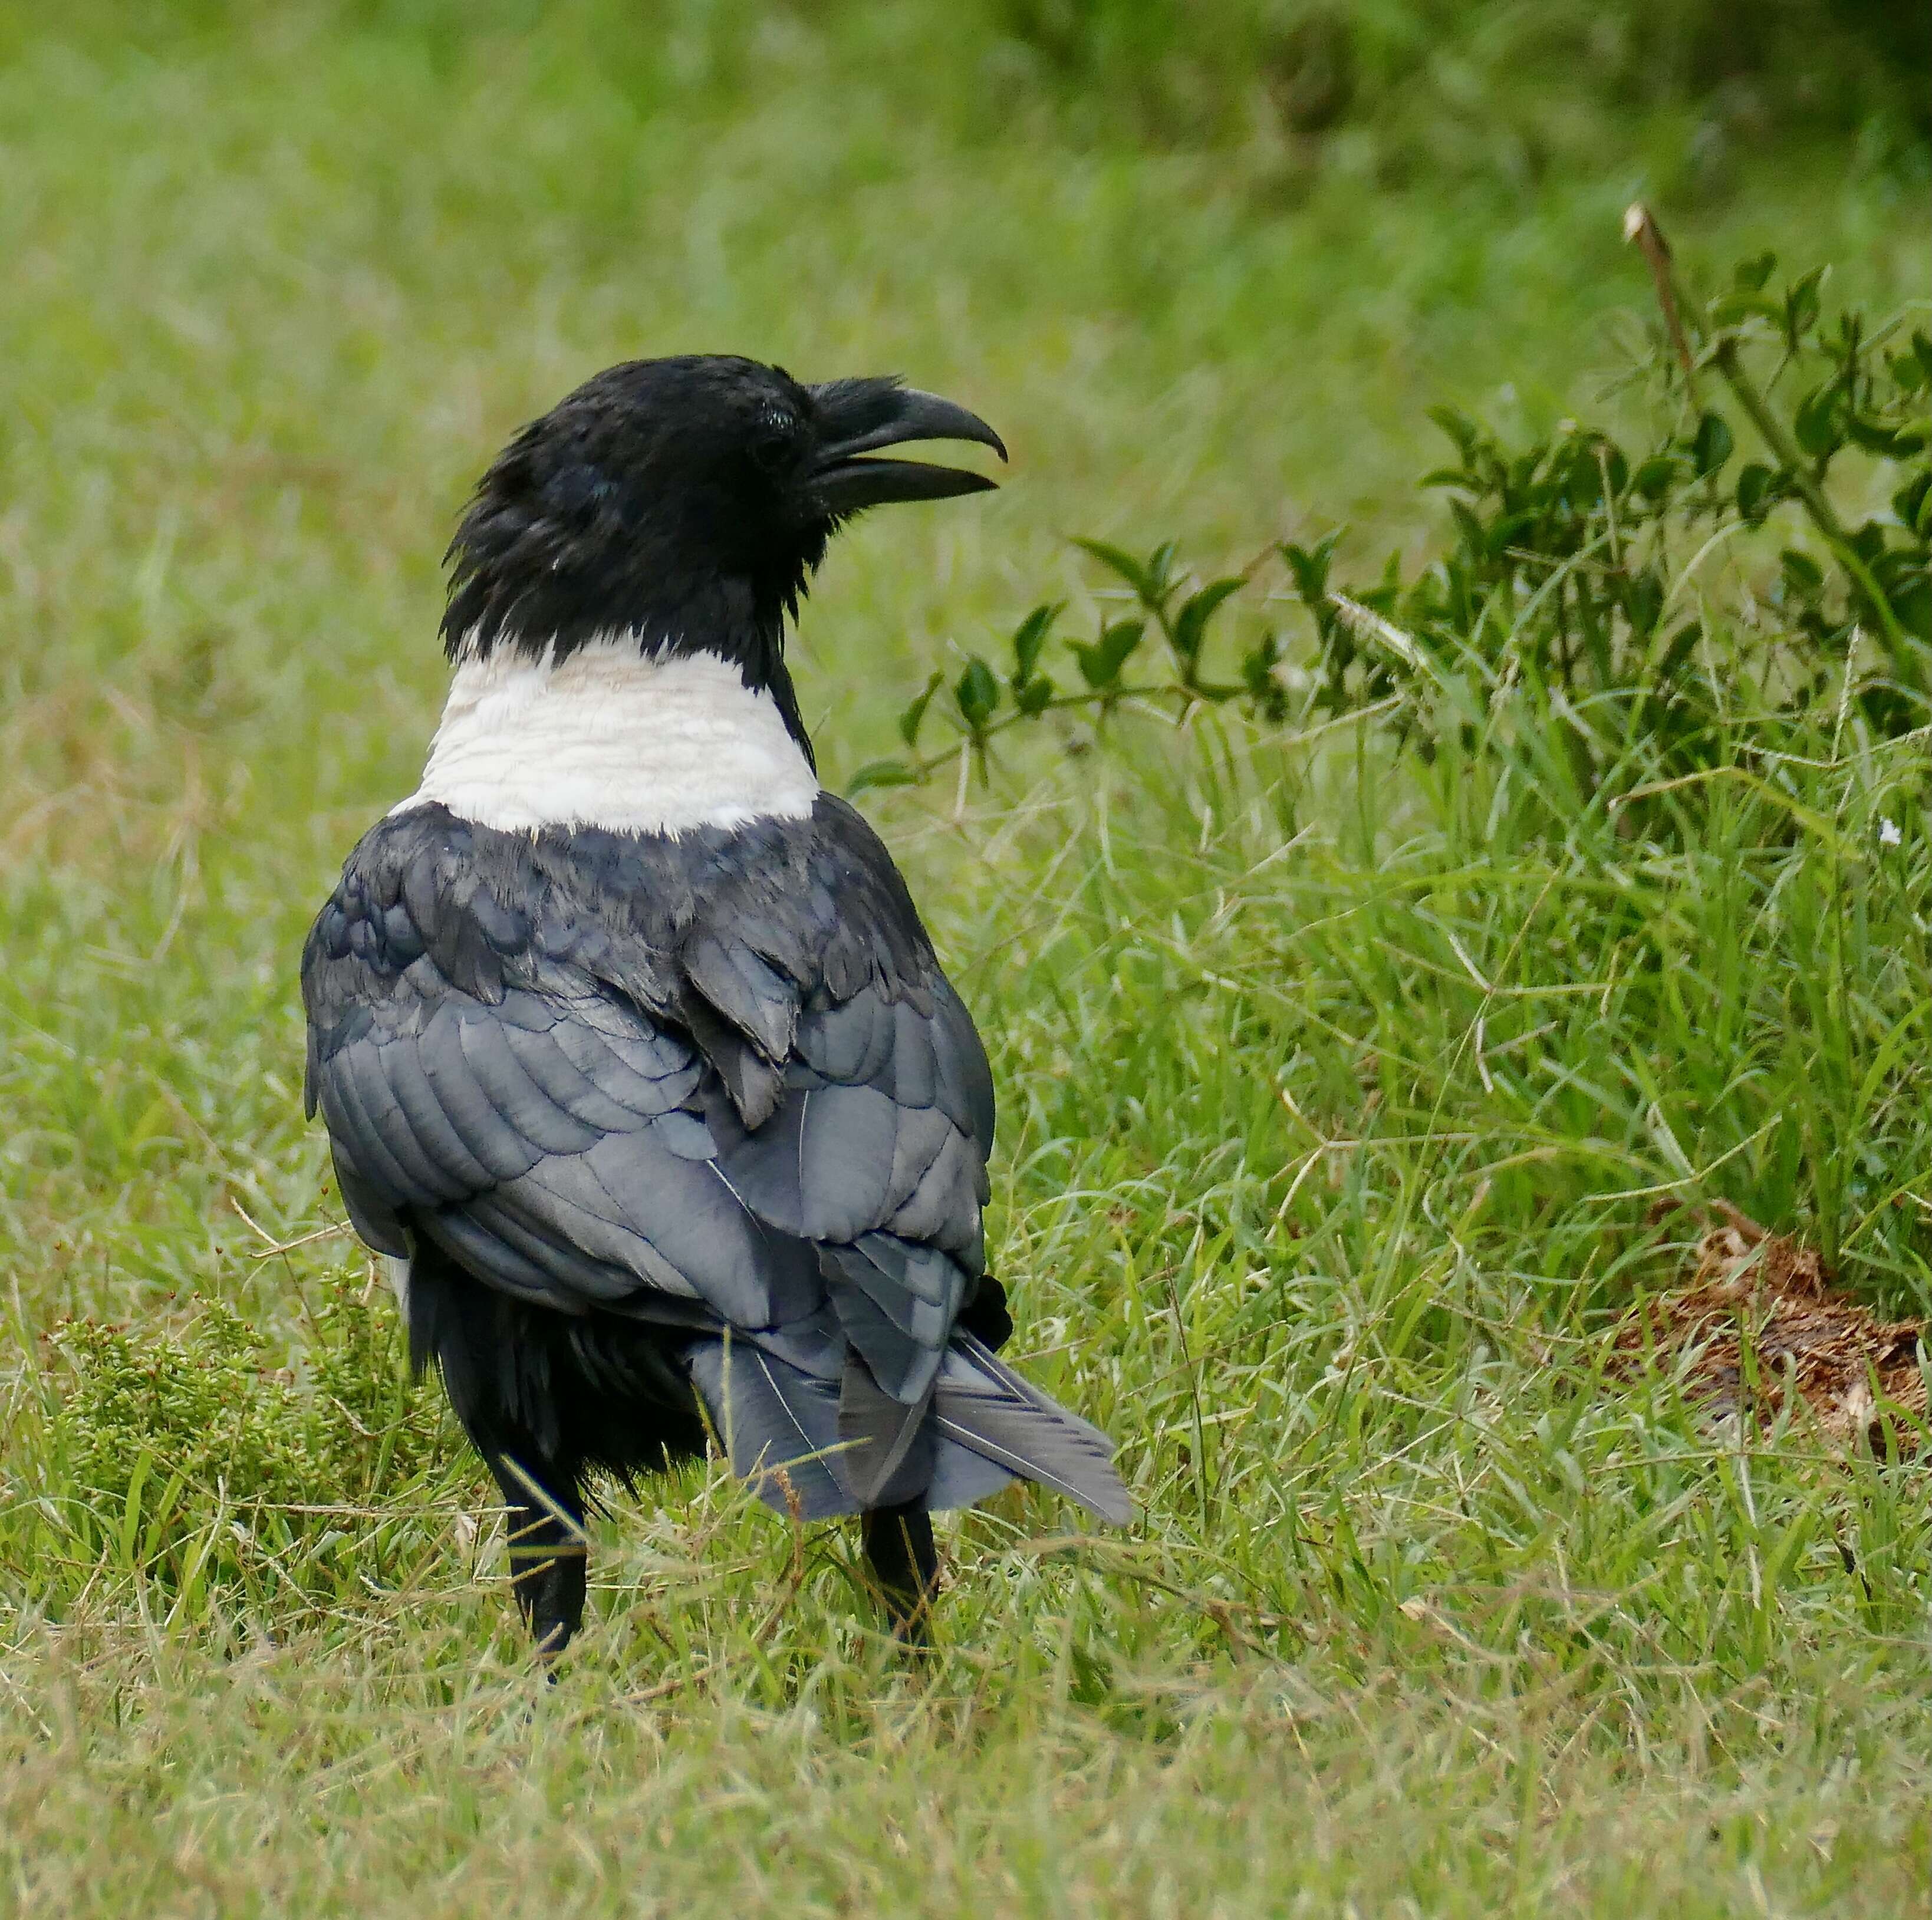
point(1763, 1294)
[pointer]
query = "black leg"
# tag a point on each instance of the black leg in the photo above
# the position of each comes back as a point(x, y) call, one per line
point(548, 1553)
point(899, 1544)
point(497, 1365)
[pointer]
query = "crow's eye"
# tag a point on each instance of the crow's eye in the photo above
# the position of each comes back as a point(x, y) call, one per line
point(774, 440)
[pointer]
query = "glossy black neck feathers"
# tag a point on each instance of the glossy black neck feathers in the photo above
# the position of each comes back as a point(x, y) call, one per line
point(685, 503)
point(639, 506)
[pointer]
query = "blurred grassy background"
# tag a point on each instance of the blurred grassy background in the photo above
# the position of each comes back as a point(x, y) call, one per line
point(279, 282)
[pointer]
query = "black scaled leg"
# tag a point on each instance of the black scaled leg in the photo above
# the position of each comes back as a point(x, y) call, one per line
point(899, 1544)
point(548, 1552)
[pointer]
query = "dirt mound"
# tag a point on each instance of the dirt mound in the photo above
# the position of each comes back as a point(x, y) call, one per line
point(1755, 1291)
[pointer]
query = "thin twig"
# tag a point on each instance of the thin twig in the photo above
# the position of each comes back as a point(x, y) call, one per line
point(1640, 226)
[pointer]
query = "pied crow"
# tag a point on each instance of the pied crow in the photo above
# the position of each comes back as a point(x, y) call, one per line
point(636, 1062)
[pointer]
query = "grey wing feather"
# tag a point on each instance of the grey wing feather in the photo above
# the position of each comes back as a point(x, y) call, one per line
point(594, 1098)
point(538, 1180)
point(755, 998)
point(463, 1102)
point(402, 1069)
point(897, 1302)
point(525, 1109)
point(961, 1477)
point(778, 1424)
point(847, 1135)
point(889, 1444)
point(486, 1254)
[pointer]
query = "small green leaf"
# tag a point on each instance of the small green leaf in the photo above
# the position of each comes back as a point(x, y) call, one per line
point(1728, 308)
point(1475, 536)
point(1757, 489)
point(1102, 660)
point(1801, 306)
point(978, 693)
point(1874, 435)
point(1465, 433)
point(1921, 346)
point(1124, 564)
point(1868, 542)
point(1030, 637)
point(1190, 626)
point(1309, 566)
point(914, 716)
point(1749, 276)
point(1653, 476)
point(1802, 574)
point(1031, 696)
point(1257, 668)
point(1643, 601)
point(1683, 643)
point(1506, 532)
point(881, 773)
point(1913, 503)
point(1118, 643)
point(1160, 573)
point(1712, 445)
point(1816, 423)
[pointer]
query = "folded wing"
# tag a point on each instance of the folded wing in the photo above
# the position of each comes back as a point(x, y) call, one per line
point(717, 1082)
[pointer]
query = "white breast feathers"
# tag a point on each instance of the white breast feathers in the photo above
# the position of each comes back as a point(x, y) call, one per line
point(606, 737)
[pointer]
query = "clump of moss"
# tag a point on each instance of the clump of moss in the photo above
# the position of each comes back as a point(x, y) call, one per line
point(165, 1439)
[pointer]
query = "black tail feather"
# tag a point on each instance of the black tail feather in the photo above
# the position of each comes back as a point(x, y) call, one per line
point(982, 1404)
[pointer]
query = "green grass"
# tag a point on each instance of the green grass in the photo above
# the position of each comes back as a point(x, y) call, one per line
point(1335, 1090)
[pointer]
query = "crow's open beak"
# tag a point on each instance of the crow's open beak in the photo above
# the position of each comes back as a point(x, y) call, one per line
point(858, 417)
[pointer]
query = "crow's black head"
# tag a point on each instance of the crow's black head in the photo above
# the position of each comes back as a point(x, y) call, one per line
point(687, 501)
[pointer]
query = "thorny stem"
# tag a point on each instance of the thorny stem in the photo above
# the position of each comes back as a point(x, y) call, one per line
point(1725, 357)
point(1640, 226)
point(1824, 516)
point(1199, 693)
